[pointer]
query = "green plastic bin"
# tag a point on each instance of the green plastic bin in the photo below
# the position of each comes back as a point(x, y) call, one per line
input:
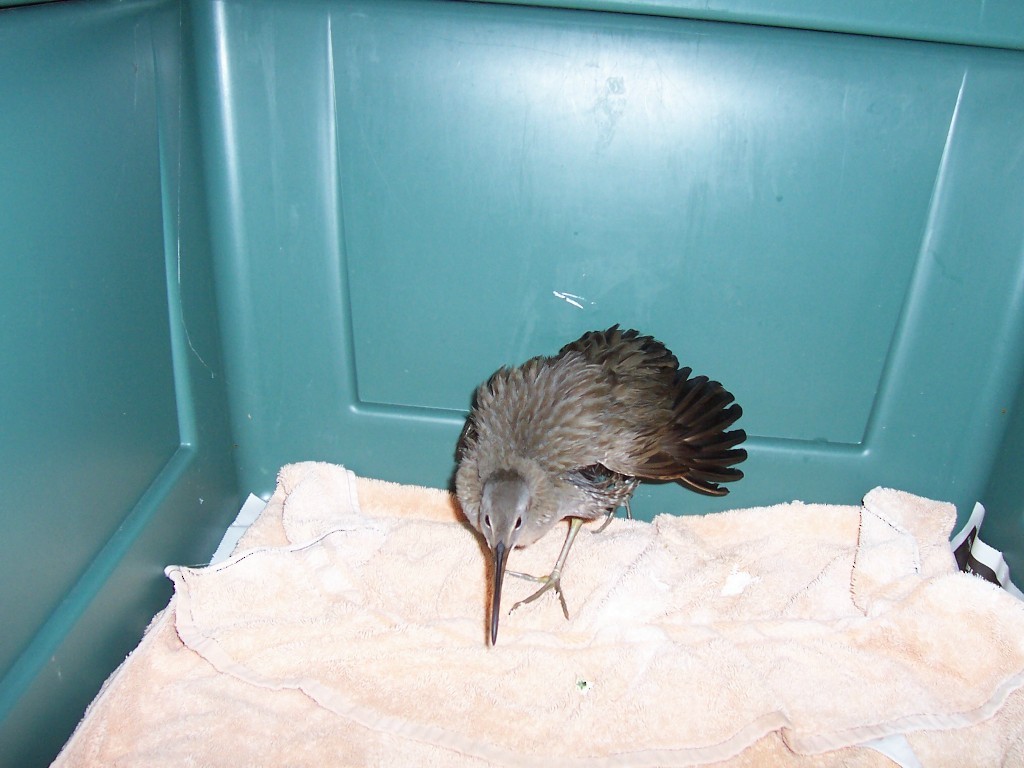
point(240, 233)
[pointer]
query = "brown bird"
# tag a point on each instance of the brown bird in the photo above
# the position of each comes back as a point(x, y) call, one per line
point(571, 436)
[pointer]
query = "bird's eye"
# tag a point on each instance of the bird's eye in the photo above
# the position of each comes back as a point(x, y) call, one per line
point(519, 523)
point(487, 520)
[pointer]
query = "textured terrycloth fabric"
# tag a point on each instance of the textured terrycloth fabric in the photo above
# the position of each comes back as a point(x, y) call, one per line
point(350, 629)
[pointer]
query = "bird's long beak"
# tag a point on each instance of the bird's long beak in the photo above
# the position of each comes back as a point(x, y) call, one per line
point(500, 556)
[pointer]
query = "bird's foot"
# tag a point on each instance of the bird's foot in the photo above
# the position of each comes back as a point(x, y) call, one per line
point(552, 581)
point(611, 516)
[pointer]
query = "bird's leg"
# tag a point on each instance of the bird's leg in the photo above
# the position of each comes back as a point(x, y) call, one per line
point(554, 579)
point(611, 515)
point(607, 520)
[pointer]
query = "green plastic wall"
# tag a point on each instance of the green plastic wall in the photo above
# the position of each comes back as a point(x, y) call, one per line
point(116, 455)
point(408, 195)
point(240, 233)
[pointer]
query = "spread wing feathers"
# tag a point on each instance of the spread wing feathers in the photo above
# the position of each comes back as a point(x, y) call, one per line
point(680, 425)
point(690, 443)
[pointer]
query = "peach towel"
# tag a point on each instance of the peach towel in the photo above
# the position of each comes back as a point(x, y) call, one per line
point(349, 628)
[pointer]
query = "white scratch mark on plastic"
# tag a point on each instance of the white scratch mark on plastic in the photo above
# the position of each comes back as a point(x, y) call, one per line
point(570, 298)
point(177, 231)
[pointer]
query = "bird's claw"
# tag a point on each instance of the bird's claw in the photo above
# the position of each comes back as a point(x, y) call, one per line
point(552, 581)
point(611, 516)
point(607, 521)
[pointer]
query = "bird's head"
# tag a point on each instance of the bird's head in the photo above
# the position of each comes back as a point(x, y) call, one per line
point(504, 515)
point(504, 508)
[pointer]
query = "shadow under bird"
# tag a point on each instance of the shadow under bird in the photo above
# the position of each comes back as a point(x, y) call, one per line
point(571, 436)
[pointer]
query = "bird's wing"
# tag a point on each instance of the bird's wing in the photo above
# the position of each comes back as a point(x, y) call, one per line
point(624, 353)
point(662, 423)
point(690, 442)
